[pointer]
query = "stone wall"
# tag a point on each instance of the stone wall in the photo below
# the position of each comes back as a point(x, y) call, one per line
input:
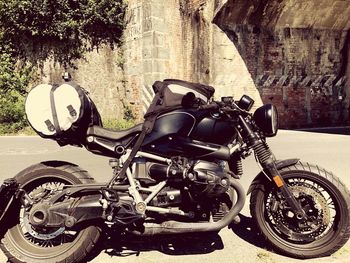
point(212, 57)
point(297, 52)
point(101, 74)
point(176, 39)
point(294, 54)
point(162, 39)
point(305, 65)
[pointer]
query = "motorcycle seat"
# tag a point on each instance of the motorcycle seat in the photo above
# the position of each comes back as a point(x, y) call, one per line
point(108, 134)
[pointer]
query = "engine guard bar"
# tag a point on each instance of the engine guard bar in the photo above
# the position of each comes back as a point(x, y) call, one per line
point(175, 227)
point(8, 192)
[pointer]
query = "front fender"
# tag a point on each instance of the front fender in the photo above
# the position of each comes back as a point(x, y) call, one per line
point(261, 177)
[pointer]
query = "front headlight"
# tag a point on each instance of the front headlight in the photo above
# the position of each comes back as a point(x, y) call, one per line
point(266, 117)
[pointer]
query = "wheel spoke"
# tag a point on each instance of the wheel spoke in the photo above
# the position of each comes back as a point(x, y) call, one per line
point(316, 202)
point(44, 237)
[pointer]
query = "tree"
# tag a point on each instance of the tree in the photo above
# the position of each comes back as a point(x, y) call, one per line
point(62, 29)
point(33, 31)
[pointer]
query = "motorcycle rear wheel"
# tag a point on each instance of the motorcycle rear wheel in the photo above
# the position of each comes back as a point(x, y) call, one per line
point(23, 243)
point(325, 200)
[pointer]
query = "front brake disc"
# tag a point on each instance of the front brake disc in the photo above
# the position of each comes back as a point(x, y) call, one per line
point(314, 205)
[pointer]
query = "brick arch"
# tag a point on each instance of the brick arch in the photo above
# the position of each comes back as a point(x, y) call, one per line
point(297, 53)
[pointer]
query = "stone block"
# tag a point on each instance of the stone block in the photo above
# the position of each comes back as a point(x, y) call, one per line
point(159, 39)
point(147, 25)
point(158, 24)
point(158, 9)
point(147, 65)
point(147, 52)
point(161, 53)
point(159, 66)
point(147, 39)
point(132, 69)
point(148, 79)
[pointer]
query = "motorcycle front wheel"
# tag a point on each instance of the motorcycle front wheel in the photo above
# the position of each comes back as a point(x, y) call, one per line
point(326, 202)
point(24, 243)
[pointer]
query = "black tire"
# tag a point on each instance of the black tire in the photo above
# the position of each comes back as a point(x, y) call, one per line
point(15, 243)
point(316, 181)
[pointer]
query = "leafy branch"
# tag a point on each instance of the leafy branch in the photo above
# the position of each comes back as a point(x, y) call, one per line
point(61, 29)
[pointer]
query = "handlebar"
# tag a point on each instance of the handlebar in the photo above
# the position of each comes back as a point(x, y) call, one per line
point(223, 107)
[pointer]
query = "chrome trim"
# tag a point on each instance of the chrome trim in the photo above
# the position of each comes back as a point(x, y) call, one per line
point(153, 156)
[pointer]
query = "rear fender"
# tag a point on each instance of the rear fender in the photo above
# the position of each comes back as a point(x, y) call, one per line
point(262, 178)
point(11, 191)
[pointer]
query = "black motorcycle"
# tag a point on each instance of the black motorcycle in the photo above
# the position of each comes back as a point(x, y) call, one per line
point(178, 172)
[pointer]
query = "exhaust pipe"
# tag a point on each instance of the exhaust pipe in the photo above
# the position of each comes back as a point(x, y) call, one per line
point(175, 227)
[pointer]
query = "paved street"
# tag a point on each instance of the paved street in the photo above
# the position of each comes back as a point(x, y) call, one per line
point(231, 245)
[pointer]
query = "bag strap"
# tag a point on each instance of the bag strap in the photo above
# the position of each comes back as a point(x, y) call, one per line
point(54, 111)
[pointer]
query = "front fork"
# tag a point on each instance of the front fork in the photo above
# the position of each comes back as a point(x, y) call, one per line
point(268, 163)
point(273, 173)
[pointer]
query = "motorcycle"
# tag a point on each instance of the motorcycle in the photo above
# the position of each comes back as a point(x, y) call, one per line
point(178, 172)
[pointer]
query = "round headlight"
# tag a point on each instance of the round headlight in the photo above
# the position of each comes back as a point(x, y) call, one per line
point(266, 118)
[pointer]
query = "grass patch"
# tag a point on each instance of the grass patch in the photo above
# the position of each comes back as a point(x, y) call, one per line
point(15, 129)
point(20, 129)
point(118, 124)
point(27, 131)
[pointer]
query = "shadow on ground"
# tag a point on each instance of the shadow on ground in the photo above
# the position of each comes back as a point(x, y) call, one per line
point(247, 231)
point(199, 243)
point(329, 130)
point(184, 244)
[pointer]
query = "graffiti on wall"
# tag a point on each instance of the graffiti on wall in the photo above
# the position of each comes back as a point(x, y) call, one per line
point(147, 18)
point(138, 20)
point(323, 84)
point(133, 17)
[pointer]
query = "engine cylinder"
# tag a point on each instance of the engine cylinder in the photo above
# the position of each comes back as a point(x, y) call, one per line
point(161, 172)
point(210, 179)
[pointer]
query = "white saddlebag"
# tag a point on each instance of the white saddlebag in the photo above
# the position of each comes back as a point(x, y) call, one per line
point(62, 113)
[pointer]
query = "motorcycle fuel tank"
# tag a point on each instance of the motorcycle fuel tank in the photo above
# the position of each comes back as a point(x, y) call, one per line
point(194, 134)
point(214, 128)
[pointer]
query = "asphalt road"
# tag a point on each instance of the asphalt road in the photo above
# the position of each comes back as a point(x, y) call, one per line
point(238, 244)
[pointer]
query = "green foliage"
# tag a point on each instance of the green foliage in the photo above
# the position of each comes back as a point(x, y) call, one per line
point(127, 122)
point(33, 31)
point(128, 114)
point(62, 29)
point(16, 129)
point(118, 124)
point(14, 80)
point(13, 76)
